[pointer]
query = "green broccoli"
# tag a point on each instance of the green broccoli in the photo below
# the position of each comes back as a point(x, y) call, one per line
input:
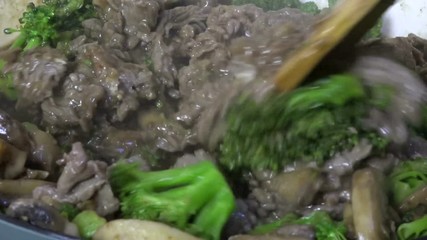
point(309, 7)
point(325, 227)
point(6, 83)
point(413, 230)
point(271, 5)
point(51, 22)
point(406, 178)
point(195, 198)
point(68, 210)
point(311, 123)
point(88, 222)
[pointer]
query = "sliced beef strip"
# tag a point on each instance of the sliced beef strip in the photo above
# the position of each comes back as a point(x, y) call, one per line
point(82, 179)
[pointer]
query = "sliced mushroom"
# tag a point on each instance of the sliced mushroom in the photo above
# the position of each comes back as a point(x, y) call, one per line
point(13, 132)
point(369, 205)
point(297, 230)
point(37, 213)
point(297, 188)
point(36, 174)
point(348, 219)
point(131, 229)
point(12, 161)
point(22, 187)
point(414, 200)
point(45, 150)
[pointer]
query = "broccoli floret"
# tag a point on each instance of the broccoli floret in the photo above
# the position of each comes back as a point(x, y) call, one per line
point(406, 178)
point(325, 227)
point(88, 222)
point(51, 22)
point(309, 7)
point(413, 230)
point(195, 198)
point(312, 123)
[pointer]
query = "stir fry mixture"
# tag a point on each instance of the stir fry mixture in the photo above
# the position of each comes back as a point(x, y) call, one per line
point(158, 119)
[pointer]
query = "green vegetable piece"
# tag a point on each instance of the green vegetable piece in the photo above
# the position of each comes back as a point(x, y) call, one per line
point(413, 230)
point(88, 222)
point(325, 227)
point(6, 83)
point(69, 211)
point(337, 90)
point(408, 177)
point(310, 124)
point(382, 95)
point(271, 227)
point(309, 7)
point(51, 22)
point(195, 198)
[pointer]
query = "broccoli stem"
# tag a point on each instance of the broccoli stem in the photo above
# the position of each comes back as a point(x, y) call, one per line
point(6, 83)
point(69, 211)
point(413, 230)
point(212, 215)
point(88, 222)
point(33, 43)
point(20, 41)
point(407, 178)
point(70, 7)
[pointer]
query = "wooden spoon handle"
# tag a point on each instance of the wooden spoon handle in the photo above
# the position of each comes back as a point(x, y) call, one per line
point(326, 35)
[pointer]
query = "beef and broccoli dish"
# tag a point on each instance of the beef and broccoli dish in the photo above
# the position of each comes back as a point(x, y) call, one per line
point(158, 119)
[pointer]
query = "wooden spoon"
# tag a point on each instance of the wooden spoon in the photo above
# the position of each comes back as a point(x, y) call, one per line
point(348, 20)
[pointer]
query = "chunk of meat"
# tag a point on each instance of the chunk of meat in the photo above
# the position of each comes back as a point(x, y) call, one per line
point(37, 73)
point(409, 94)
point(81, 180)
point(140, 16)
point(410, 51)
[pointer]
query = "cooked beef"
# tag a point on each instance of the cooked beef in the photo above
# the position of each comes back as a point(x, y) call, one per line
point(81, 180)
point(151, 81)
point(37, 73)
